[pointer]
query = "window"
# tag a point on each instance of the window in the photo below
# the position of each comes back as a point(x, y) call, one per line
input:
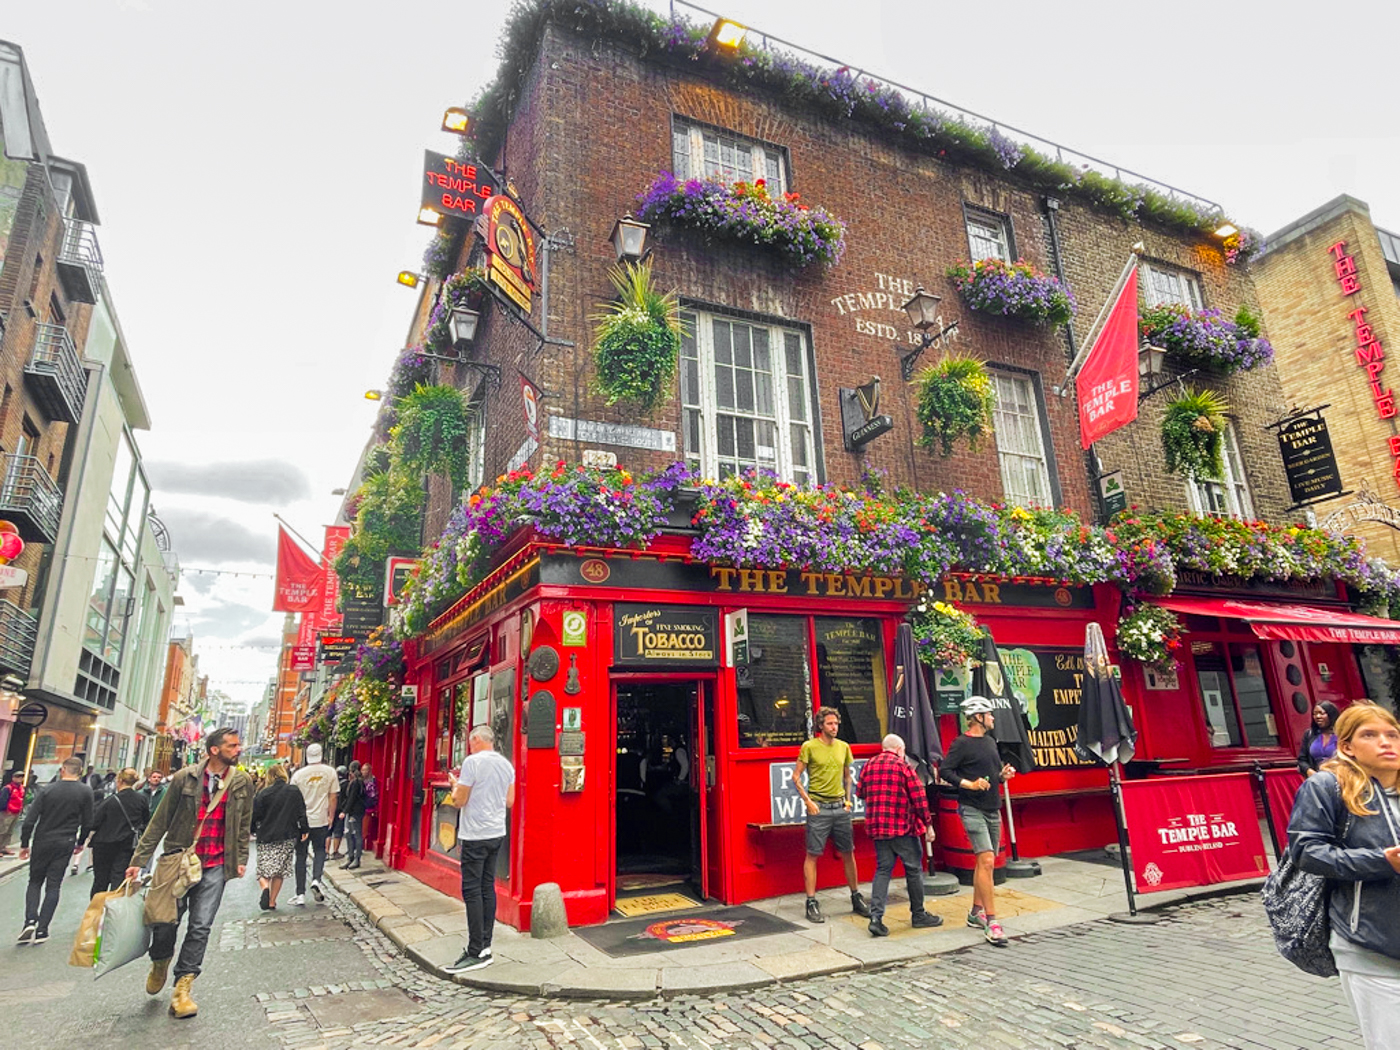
point(1025, 470)
point(1234, 694)
point(775, 686)
point(1229, 495)
point(988, 235)
point(699, 152)
point(1161, 285)
point(851, 676)
point(476, 439)
point(746, 398)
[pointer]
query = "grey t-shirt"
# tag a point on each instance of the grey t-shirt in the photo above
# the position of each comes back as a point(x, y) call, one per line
point(489, 774)
point(1353, 958)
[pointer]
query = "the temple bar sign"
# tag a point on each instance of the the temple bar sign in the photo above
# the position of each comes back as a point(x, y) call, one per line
point(455, 187)
point(1308, 459)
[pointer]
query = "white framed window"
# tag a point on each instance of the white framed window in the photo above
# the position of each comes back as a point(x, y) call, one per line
point(699, 152)
point(1025, 470)
point(1161, 285)
point(746, 398)
point(476, 439)
point(988, 235)
point(1227, 496)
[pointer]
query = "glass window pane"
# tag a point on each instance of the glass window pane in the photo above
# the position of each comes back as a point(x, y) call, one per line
point(1216, 700)
point(726, 436)
point(680, 152)
point(723, 342)
point(743, 345)
point(797, 399)
point(724, 386)
point(792, 352)
point(775, 686)
point(743, 432)
point(851, 676)
point(765, 444)
point(1252, 691)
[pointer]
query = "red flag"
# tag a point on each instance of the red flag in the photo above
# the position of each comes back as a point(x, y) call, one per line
point(336, 535)
point(299, 579)
point(1107, 384)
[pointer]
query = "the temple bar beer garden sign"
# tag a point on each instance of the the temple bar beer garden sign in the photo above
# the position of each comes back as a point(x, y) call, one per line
point(455, 187)
point(1049, 683)
point(646, 635)
point(1308, 460)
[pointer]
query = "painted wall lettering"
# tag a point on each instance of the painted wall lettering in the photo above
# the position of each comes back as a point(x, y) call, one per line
point(880, 311)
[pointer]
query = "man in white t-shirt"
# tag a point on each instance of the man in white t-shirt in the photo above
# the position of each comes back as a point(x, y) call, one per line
point(318, 784)
point(483, 792)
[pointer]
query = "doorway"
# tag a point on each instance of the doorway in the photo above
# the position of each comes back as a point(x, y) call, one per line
point(661, 833)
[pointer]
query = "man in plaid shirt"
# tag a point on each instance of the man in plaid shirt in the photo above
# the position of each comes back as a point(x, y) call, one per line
point(897, 819)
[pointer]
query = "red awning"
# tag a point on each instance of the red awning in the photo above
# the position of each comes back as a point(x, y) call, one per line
point(1296, 623)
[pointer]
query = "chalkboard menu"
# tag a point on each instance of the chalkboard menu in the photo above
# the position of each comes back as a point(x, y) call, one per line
point(775, 686)
point(666, 634)
point(1049, 683)
point(851, 676)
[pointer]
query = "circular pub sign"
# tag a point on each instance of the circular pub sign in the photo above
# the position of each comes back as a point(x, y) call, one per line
point(685, 931)
point(595, 570)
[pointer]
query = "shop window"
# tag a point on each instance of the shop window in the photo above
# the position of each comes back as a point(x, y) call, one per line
point(1162, 285)
point(988, 235)
point(746, 398)
point(699, 152)
point(1227, 495)
point(775, 686)
point(851, 676)
point(1021, 443)
point(443, 752)
point(1235, 695)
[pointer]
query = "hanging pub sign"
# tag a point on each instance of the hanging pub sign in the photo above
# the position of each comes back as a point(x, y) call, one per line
point(665, 634)
point(455, 187)
point(334, 648)
point(1308, 460)
point(361, 616)
point(510, 250)
point(397, 573)
point(303, 658)
point(861, 421)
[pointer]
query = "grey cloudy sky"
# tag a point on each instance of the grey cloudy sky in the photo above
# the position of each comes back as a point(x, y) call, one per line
point(256, 169)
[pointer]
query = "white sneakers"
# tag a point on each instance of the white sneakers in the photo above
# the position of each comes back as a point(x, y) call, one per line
point(316, 892)
point(298, 900)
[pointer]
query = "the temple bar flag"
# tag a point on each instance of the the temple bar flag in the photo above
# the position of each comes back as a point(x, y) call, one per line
point(1107, 384)
point(299, 578)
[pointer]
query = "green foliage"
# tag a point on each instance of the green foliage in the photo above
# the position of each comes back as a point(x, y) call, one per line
point(1247, 321)
point(388, 520)
point(956, 398)
point(637, 338)
point(431, 434)
point(1193, 434)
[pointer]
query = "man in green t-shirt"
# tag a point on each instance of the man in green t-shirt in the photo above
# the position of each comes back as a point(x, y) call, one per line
point(827, 762)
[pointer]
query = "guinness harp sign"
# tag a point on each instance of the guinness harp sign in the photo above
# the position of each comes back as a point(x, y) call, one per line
point(861, 421)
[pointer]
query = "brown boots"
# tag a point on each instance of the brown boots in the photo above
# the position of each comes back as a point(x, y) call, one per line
point(181, 1005)
point(155, 980)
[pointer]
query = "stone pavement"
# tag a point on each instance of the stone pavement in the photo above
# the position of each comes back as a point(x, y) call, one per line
point(430, 928)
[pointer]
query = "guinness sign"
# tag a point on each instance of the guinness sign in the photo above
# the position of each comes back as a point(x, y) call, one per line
point(861, 421)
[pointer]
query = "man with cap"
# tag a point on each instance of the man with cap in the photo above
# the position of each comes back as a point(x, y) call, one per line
point(318, 785)
point(975, 768)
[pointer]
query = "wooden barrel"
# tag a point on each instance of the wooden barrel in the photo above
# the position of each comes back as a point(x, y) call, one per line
point(953, 849)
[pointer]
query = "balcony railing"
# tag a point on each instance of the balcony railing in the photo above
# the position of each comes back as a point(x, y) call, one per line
point(55, 374)
point(80, 261)
point(29, 498)
point(19, 631)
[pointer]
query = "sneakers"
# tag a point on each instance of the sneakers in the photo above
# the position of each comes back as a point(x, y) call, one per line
point(925, 920)
point(995, 934)
point(40, 936)
point(26, 935)
point(298, 900)
point(878, 928)
point(264, 898)
point(814, 911)
point(316, 892)
point(466, 961)
point(977, 919)
point(486, 952)
point(858, 905)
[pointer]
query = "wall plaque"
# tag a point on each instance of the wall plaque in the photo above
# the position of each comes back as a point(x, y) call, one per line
point(540, 720)
point(571, 743)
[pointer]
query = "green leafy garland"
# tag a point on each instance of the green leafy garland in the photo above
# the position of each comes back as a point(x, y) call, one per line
point(637, 338)
point(956, 398)
point(1193, 435)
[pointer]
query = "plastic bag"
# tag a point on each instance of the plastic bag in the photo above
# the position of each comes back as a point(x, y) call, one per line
point(123, 936)
point(84, 951)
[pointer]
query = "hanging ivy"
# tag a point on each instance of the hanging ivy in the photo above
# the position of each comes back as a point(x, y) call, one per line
point(388, 520)
point(637, 339)
point(956, 398)
point(1193, 435)
point(431, 434)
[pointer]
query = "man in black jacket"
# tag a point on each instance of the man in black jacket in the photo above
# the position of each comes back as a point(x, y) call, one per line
point(58, 820)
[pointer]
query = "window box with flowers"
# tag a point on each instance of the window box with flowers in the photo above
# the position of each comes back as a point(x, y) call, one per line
point(1013, 289)
point(1205, 339)
point(744, 212)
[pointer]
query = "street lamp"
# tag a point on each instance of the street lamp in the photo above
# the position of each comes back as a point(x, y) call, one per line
point(428, 217)
point(726, 34)
point(409, 279)
point(463, 322)
point(456, 120)
point(1150, 361)
point(1226, 229)
point(629, 238)
point(922, 309)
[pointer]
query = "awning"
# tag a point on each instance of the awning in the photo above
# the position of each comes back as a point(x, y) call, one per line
point(1295, 623)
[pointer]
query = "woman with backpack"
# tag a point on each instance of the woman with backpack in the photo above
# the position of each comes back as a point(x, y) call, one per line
point(117, 824)
point(1346, 828)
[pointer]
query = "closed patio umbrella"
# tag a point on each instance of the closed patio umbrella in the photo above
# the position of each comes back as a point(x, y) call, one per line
point(1106, 728)
point(911, 711)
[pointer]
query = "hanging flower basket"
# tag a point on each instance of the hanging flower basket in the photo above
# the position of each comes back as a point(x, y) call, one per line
point(1205, 339)
point(1193, 435)
point(956, 398)
point(637, 339)
point(411, 370)
point(945, 635)
point(744, 212)
point(431, 434)
point(1016, 289)
point(1150, 635)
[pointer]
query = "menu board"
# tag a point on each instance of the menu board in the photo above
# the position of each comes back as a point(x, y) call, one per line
point(851, 676)
point(1049, 683)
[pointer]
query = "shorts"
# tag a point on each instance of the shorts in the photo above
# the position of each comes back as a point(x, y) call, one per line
point(831, 821)
point(983, 829)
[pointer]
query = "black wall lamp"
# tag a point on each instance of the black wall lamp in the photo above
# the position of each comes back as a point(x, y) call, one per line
point(922, 309)
point(1151, 361)
point(629, 238)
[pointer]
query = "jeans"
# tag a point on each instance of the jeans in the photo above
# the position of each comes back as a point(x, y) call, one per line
point(8, 823)
point(47, 865)
point(109, 864)
point(479, 890)
point(316, 842)
point(354, 840)
point(906, 848)
point(201, 904)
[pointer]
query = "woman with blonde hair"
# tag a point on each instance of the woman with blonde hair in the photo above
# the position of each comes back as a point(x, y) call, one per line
point(279, 820)
point(1346, 827)
point(116, 825)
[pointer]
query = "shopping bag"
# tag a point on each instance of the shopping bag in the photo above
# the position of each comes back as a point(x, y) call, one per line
point(123, 935)
point(84, 951)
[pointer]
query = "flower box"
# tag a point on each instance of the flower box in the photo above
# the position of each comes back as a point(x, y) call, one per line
point(1206, 339)
point(1017, 290)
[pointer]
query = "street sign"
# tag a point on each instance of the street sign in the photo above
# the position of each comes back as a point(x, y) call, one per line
point(1115, 497)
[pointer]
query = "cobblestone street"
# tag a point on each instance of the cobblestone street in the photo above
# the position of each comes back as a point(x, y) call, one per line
point(1206, 977)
